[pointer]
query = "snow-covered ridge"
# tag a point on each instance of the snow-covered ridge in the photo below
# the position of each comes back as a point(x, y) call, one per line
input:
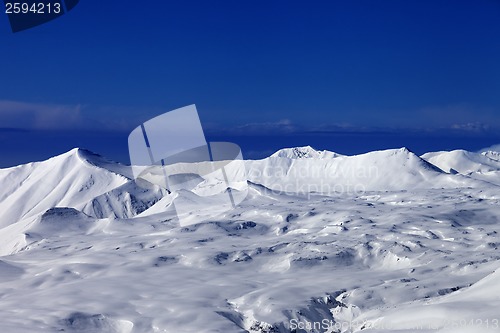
point(463, 161)
point(85, 249)
point(393, 169)
point(93, 159)
point(304, 152)
point(86, 181)
point(494, 155)
point(74, 179)
point(481, 166)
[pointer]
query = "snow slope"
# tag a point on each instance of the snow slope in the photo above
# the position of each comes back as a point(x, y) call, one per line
point(78, 179)
point(494, 155)
point(482, 166)
point(416, 245)
point(463, 161)
point(449, 313)
point(394, 169)
point(304, 152)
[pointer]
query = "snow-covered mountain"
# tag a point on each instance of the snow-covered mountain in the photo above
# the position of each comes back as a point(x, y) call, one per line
point(394, 169)
point(483, 166)
point(304, 152)
point(463, 161)
point(494, 155)
point(77, 179)
point(374, 240)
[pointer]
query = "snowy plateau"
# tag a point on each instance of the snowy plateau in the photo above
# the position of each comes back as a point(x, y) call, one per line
point(386, 241)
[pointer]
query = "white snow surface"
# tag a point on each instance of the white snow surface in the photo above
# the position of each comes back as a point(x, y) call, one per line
point(379, 242)
point(483, 166)
point(77, 179)
point(463, 161)
point(304, 152)
point(494, 155)
point(394, 169)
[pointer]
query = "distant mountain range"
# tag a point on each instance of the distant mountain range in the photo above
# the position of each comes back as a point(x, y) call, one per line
point(101, 188)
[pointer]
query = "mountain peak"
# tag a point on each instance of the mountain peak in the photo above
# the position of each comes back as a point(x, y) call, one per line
point(80, 154)
point(90, 158)
point(402, 150)
point(494, 155)
point(464, 162)
point(304, 152)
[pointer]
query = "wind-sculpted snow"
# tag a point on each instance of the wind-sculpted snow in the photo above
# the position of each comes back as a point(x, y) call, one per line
point(125, 201)
point(417, 247)
point(305, 152)
point(463, 161)
point(78, 179)
point(395, 169)
point(484, 166)
point(494, 155)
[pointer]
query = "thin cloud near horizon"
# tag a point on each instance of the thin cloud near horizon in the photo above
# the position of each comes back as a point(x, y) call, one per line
point(50, 116)
point(20, 115)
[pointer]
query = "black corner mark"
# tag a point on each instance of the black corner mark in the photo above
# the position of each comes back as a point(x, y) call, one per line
point(26, 14)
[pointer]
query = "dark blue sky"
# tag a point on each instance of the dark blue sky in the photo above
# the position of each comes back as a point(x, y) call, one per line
point(270, 65)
